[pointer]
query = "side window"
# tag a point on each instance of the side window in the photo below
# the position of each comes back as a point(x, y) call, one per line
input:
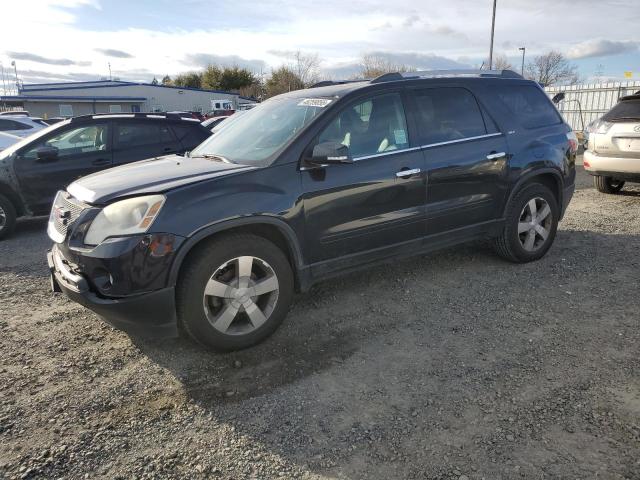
point(529, 104)
point(189, 136)
point(136, 134)
point(8, 125)
point(375, 125)
point(446, 114)
point(87, 139)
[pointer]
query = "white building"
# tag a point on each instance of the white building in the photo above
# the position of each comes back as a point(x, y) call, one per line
point(114, 96)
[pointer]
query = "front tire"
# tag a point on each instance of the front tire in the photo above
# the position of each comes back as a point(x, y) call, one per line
point(7, 217)
point(530, 226)
point(607, 184)
point(234, 292)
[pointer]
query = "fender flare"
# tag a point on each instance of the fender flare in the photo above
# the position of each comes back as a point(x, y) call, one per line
point(224, 225)
point(531, 174)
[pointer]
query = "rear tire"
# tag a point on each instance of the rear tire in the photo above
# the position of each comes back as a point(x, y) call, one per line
point(607, 184)
point(530, 226)
point(7, 217)
point(233, 292)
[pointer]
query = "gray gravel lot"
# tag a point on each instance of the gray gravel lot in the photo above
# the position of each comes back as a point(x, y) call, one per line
point(455, 365)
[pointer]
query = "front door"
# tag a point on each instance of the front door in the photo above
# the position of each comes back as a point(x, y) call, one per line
point(376, 201)
point(71, 152)
point(466, 159)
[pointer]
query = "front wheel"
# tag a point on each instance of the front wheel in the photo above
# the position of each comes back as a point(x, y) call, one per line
point(530, 226)
point(234, 292)
point(7, 217)
point(607, 184)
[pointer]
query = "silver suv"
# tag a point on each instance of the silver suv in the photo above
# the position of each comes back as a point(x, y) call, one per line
point(613, 149)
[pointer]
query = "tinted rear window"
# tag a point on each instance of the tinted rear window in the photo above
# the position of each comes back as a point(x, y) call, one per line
point(447, 114)
point(529, 104)
point(190, 135)
point(625, 110)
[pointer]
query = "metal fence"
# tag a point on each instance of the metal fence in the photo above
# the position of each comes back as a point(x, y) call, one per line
point(584, 103)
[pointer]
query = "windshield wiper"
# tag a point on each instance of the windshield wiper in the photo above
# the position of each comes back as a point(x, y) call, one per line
point(617, 119)
point(211, 156)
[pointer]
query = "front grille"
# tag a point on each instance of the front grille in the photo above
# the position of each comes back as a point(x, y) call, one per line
point(64, 212)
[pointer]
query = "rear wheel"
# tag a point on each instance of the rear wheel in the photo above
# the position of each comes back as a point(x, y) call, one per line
point(607, 184)
point(530, 227)
point(7, 217)
point(234, 292)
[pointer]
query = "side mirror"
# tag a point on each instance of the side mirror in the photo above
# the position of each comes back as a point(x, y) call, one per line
point(328, 153)
point(47, 154)
point(558, 97)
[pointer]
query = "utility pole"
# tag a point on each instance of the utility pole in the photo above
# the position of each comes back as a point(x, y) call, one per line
point(109, 63)
point(15, 69)
point(493, 27)
point(524, 49)
point(4, 83)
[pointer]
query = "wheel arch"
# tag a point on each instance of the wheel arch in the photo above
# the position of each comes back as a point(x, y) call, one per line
point(274, 230)
point(13, 197)
point(549, 177)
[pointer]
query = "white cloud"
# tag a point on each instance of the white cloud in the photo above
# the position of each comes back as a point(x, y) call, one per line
point(601, 48)
point(340, 32)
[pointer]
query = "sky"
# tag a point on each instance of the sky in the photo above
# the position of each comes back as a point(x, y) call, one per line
point(75, 40)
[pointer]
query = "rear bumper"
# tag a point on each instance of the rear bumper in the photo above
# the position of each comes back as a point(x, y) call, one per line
point(597, 164)
point(149, 314)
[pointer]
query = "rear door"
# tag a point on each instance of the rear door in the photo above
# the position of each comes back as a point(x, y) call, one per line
point(79, 151)
point(376, 201)
point(466, 158)
point(141, 138)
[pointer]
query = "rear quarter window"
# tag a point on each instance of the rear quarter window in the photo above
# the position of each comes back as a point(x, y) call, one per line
point(529, 104)
point(190, 134)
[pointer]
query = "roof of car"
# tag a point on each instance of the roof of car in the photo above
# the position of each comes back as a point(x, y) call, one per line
point(341, 88)
point(161, 116)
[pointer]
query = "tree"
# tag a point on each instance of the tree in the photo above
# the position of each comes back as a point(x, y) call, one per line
point(166, 80)
point(282, 80)
point(372, 66)
point(188, 80)
point(154, 81)
point(235, 78)
point(306, 66)
point(501, 62)
point(210, 78)
point(552, 68)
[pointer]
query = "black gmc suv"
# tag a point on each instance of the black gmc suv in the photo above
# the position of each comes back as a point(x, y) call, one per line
point(311, 184)
point(34, 169)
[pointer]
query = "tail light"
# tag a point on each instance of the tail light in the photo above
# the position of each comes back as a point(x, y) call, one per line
point(573, 141)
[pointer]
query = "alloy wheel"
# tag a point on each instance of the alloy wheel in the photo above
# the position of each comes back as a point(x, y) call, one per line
point(534, 226)
point(241, 295)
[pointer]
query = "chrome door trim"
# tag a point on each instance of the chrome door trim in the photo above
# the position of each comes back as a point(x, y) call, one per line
point(384, 154)
point(467, 139)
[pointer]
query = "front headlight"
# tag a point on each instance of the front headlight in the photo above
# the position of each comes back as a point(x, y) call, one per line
point(126, 217)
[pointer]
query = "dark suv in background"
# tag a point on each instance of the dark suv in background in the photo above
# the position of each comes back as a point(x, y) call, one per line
point(33, 170)
point(311, 184)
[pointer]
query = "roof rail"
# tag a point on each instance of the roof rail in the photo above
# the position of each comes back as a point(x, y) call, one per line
point(327, 83)
point(389, 77)
point(171, 116)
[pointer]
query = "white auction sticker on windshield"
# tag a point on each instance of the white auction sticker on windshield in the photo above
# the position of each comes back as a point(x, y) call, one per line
point(315, 102)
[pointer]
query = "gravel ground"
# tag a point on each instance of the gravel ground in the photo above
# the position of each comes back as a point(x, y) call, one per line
point(455, 365)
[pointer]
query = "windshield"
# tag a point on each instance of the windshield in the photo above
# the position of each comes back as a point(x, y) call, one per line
point(26, 141)
point(255, 137)
point(625, 110)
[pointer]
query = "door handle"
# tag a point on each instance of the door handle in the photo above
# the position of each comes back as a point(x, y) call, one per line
point(101, 162)
point(407, 173)
point(496, 155)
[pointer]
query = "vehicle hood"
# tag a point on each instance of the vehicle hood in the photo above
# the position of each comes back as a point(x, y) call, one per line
point(149, 176)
